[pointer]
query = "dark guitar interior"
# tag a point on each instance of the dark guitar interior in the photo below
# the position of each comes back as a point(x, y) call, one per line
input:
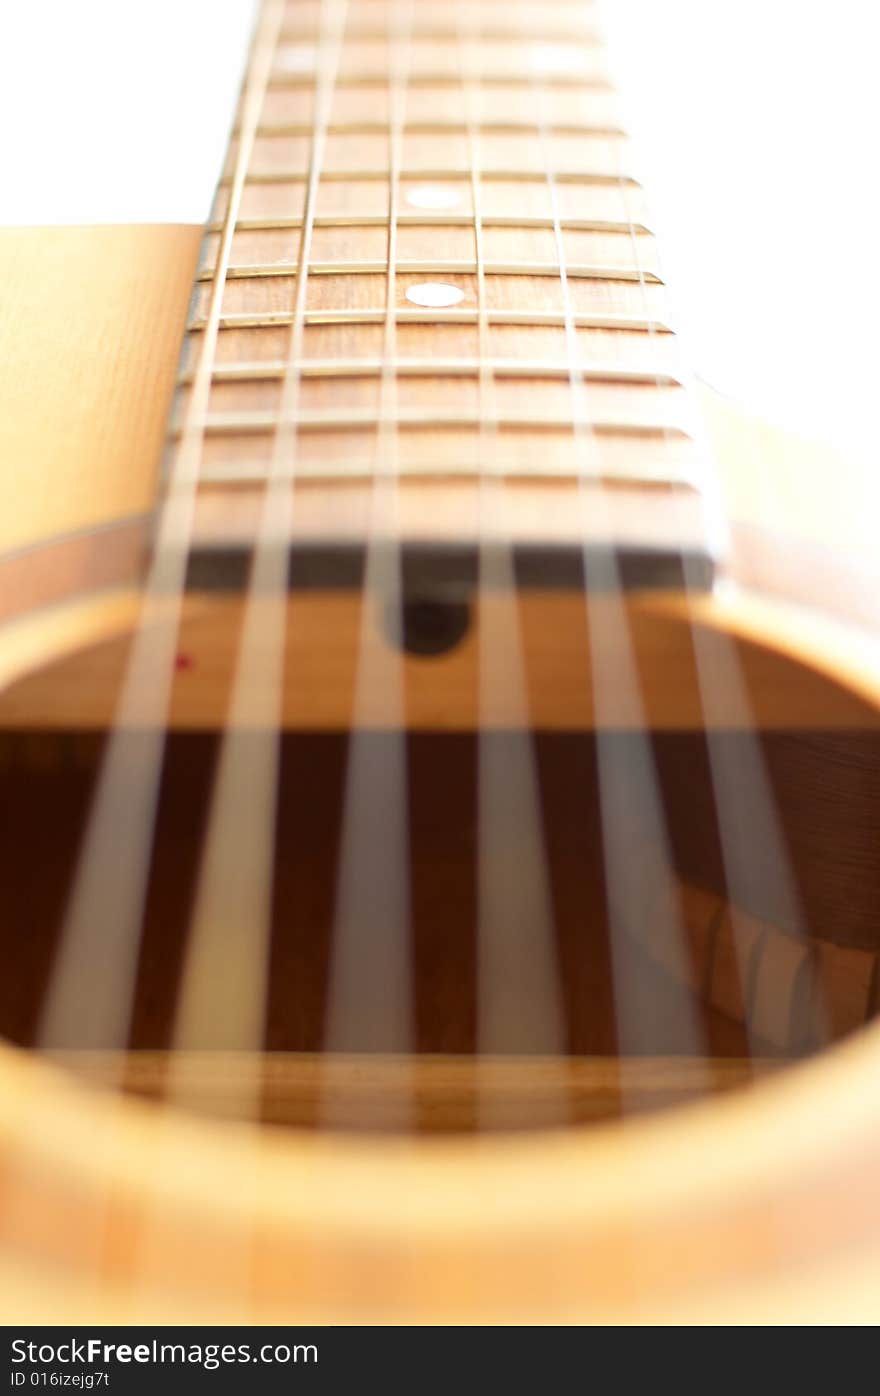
point(826, 789)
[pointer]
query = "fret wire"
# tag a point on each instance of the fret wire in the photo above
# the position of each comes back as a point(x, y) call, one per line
point(466, 466)
point(439, 266)
point(282, 82)
point(427, 220)
point(467, 469)
point(526, 318)
point(259, 423)
point(438, 128)
point(372, 174)
point(100, 934)
point(269, 370)
point(587, 37)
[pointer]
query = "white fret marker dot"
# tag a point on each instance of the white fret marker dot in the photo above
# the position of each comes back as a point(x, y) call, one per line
point(296, 58)
point(556, 58)
point(436, 295)
point(434, 198)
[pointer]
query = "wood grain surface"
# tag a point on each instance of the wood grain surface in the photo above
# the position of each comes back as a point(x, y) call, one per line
point(89, 337)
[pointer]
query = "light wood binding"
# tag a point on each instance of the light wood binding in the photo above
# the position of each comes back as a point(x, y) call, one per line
point(708, 1213)
point(367, 1091)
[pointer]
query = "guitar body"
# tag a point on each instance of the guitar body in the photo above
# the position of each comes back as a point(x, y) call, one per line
point(447, 1183)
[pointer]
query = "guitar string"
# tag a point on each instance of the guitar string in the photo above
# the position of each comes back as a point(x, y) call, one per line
point(371, 990)
point(641, 892)
point(90, 995)
point(223, 987)
point(224, 983)
point(752, 842)
point(519, 1002)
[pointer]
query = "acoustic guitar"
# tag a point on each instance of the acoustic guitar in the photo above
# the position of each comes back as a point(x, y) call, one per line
point(440, 870)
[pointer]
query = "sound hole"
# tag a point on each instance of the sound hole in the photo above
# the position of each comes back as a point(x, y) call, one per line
point(760, 992)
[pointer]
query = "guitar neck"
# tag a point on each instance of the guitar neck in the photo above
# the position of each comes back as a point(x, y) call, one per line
point(429, 258)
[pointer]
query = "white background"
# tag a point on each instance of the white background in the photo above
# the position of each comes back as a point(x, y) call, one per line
point(757, 121)
point(116, 111)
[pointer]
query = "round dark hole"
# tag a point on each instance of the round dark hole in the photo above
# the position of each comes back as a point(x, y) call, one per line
point(430, 625)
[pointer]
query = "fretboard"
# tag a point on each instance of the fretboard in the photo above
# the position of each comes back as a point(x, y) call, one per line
point(427, 247)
